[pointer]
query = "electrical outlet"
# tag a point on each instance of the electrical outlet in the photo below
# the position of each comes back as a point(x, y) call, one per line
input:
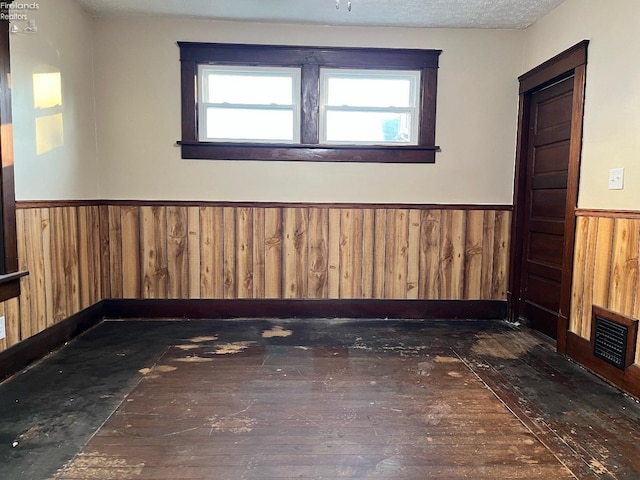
point(3, 330)
point(616, 179)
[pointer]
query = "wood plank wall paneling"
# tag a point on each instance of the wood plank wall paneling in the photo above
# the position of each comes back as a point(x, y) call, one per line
point(318, 252)
point(229, 251)
point(368, 252)
point(606, 268)
point(244, 252)
point(25, 289)
point(193, 251)
point(153, 242)
point(273, 253)
point(295, 255)
point(63, 248)
point(259, 251)
point(211, 238)
point(396, 246)
point(333, 275)
point(350, 253)
point(114, 225)
point(177, 268)
point(79, 254)
point(85, 230)
point(311, 252)
point(129, 225)
point(473, 254)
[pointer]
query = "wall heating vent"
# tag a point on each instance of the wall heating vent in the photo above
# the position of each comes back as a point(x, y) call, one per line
point(613, 337)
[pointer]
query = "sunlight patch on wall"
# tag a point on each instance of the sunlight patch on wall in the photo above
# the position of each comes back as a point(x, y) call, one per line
point(47, 101)
point(47, 90)
point(49, 133)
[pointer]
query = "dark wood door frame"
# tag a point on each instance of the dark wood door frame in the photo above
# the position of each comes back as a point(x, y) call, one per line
point(571, 62)
point(9, 274)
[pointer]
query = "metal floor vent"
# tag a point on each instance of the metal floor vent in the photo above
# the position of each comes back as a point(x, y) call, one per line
point(613, 337)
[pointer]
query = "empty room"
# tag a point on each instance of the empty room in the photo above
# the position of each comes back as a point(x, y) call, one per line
point(319, 239)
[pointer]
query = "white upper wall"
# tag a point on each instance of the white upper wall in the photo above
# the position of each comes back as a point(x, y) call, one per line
point(135, 111)
point(138, 111)
point(54, 144)
point(137, 78)
point(611, 136)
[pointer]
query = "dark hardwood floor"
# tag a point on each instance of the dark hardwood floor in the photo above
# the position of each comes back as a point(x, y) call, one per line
point(320, 399)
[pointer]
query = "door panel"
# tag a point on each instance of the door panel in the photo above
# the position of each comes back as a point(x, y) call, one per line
point(552, 159)
point(553, 228)
point(545, 205)
point(544, 271)
point(552, 110)
point(545, 248)
point(550, 181)
point(548, 203)
point(544, 292)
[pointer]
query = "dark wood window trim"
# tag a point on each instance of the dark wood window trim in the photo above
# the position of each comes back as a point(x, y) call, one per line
point(310, 59)
point(9, 275)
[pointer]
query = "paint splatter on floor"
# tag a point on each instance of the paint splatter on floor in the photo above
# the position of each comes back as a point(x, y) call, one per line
point(190, 346)
point(424, 369)
point(193, 359)
point(157, 368)
point(154, 371)
point(436, 413)
point(90, 465)
point(232, 423)
point(276, 331)
point(231, 348)
point(597, 467)
point(440, 359)
point(493, 345)
point(202, 339)
point(33, 432)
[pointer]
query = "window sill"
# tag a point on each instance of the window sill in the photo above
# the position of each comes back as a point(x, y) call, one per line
point(309, 153)
point(10, 285)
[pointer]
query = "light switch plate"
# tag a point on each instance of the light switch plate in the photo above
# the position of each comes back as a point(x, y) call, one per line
point(3, 330)
point(616, 179)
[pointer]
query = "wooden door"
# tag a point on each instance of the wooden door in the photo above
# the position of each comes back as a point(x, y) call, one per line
point(545, 201)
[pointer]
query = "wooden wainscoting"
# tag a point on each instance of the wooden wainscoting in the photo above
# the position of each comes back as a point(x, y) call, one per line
point(79, 253)
point(606, 267)
point(307, 252)
point(61, 248)
point(606, 274)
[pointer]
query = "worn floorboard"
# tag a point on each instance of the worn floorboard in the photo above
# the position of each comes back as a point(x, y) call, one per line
point(324, 399)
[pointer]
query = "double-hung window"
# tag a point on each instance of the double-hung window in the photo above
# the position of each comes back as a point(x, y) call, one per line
point(369, 107)
point(264, 102)
point(249, 104)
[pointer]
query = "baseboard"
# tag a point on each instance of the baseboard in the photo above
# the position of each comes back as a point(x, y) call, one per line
point(23, 354)
point(627, 380)
point(295, 308)
point(36, 347)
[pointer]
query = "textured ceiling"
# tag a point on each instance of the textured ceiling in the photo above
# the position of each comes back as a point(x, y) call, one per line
point(410, 13)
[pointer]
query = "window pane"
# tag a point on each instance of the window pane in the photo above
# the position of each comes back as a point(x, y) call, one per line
point(373, 127)
point(250, 124)
point(246, 89)
point(369, 92)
